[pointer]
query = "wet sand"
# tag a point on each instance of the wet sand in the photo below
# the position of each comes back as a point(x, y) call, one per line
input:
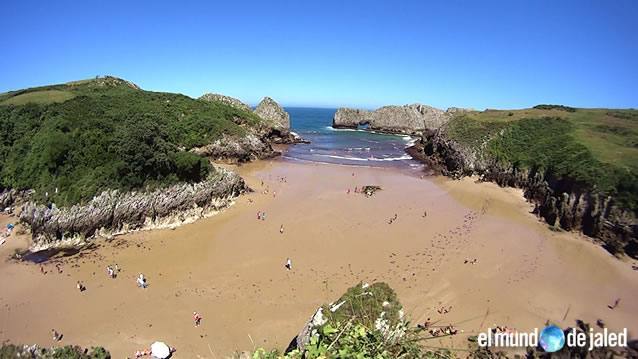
point(230, 267)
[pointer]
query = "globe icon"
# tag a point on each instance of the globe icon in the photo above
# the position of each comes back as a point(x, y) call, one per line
point(552, 339)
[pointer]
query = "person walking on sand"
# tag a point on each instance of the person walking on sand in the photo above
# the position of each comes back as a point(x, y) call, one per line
point(288, 264)
point(80, 286)
point(141, 281)
point(281, 229)
point(197, 319)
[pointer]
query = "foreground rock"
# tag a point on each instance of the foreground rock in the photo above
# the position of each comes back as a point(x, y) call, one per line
point(408, 119)
point(115, 212)
point(561, 202)
point(375, 307)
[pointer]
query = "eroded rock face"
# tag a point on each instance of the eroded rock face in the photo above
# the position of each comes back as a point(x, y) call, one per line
point(225, 99)
point(408, 119)
point(237, 149)
point(114, 212)
point(270, 111)
point(561, 202)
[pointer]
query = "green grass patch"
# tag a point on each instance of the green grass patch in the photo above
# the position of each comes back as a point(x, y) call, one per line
point(39, 97)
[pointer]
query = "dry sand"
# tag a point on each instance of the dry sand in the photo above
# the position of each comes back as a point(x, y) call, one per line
point(230, 268)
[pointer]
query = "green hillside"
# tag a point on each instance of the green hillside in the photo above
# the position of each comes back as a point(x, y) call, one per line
point(598, 148)
point(83, 137)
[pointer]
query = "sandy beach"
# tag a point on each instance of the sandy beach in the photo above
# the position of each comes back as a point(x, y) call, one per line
point(230, 267)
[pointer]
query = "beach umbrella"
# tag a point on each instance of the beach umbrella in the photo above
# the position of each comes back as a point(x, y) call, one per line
point(160, 350)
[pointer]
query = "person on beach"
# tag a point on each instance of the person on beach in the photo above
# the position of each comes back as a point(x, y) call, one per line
point(141, 281)
point(80, 286)
point(616, 302)
point(197, 319)
point(288, 264)
point(56, 336)
point(110, 272)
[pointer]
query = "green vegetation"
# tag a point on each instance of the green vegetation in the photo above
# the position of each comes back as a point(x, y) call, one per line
point(366, 322)
point(555, 107)
point(105, 133)
point(594, 148)
point(39, 97)
point(11, 351)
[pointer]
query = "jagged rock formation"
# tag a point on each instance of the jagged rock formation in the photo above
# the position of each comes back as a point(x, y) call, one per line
point(561, 202)
point(237, 149)
point(225, 99)
point(408, 119)
point(270, 111)
point(114, 212)
point(276, 128)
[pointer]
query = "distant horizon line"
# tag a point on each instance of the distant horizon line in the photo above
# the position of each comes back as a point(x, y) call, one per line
point(326, 107)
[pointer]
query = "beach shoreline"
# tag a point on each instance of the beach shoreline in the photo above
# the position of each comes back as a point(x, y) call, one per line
point(230, 267)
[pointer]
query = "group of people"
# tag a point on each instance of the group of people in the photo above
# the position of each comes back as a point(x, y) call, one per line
point(444, 310)
point(392, 219)
point(447, 330)
point(112, 272)
point(470, 261)
point(438, 331)
point(261, 215)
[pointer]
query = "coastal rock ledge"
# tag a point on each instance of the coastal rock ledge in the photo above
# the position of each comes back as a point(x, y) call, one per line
point(114, 212)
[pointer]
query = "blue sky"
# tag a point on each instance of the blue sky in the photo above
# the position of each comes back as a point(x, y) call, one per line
point(481, 54)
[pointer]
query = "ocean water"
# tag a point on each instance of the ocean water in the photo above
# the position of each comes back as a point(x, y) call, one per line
point(345, 146)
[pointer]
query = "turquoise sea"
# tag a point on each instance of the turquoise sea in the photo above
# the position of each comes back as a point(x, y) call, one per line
point(345, 146)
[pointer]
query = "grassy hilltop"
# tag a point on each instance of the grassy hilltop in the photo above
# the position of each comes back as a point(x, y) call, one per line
point(596, 148)
point(85, 136)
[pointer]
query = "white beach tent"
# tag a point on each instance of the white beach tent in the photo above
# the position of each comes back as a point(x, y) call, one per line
point(160, 350)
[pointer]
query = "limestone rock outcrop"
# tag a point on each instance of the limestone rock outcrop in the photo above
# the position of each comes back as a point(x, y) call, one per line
point(114, 212)
point(270, 111)
point(408, 119)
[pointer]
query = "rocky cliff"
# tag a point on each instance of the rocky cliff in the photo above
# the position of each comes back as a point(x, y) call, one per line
point(408, 119)
point(276, 127)
point(231, 101)
point(561, 202)
point(270, 111)
point(115, 212)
